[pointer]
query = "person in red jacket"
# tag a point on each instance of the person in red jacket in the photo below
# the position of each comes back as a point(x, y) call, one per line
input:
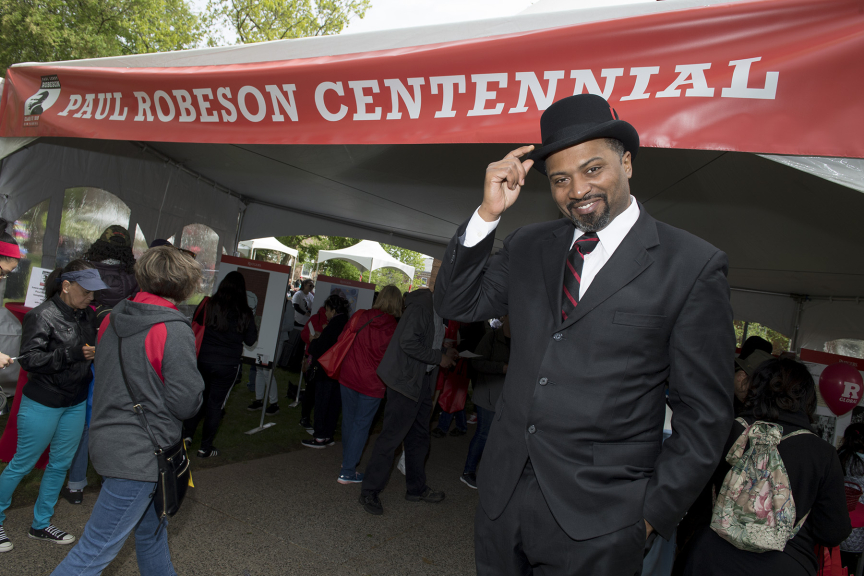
point(362, 389)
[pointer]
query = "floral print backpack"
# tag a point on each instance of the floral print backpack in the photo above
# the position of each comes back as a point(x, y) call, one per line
point(755, 510)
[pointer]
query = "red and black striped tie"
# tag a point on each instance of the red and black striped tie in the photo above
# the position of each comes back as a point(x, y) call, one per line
point(583, 246)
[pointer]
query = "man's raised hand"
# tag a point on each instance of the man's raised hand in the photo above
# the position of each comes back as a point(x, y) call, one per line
point(504, 180)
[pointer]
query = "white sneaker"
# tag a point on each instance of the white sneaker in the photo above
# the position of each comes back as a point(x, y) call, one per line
point(52, 534)
point(5, 543)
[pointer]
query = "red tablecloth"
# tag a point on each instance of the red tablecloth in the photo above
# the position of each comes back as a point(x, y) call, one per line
point(9, 440)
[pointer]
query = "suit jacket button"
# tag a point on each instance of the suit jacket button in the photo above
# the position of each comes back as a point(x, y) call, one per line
point(558, 336)
point(532, 429)
point(543, 381)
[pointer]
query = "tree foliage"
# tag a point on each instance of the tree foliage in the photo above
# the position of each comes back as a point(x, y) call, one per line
point(779, 341)
point(51, 30)
point(262, 20)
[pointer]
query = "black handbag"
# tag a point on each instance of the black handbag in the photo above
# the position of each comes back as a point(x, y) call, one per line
point(173, 462)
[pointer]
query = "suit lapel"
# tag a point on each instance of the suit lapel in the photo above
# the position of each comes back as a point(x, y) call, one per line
point(629, 261)
point(553, 252)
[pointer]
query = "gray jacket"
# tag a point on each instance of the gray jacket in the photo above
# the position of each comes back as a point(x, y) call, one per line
point(412, 348)
point(159, 357)
point(495, 351)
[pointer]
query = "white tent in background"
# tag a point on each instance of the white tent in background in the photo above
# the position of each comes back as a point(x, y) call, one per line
point(367, 255)
point(249, 247)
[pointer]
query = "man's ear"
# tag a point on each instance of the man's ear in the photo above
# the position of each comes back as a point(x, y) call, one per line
point(627, 163)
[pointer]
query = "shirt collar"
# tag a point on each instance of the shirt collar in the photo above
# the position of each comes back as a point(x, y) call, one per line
point(613, 234)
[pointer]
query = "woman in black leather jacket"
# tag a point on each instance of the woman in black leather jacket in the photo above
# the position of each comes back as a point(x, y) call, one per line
point(56, 351)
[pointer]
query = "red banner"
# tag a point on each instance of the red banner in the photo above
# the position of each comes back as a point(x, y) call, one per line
point(771, 76)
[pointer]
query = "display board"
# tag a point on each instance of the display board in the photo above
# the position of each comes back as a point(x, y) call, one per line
point(269, 283)
point(359, 294)
point(828, 425)
point(36, 287)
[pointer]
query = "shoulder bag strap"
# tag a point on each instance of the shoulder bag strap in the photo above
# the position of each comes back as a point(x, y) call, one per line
point(136, 406)
point(369, 322)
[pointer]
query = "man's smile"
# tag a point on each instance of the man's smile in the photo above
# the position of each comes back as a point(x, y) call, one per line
point(583, 208)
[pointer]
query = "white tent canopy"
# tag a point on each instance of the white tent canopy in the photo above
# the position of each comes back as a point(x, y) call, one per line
point(790, 226)
point(367, 255)
point(266, 244)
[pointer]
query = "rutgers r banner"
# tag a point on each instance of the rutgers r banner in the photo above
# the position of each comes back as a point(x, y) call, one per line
point(773, 77)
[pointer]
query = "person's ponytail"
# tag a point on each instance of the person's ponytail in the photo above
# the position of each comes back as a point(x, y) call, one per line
point(52, 283)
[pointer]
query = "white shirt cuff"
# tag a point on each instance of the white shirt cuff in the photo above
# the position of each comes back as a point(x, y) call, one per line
point(477, 230)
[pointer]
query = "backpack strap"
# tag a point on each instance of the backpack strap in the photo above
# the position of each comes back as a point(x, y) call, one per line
point(737, 450)
point(796, 433)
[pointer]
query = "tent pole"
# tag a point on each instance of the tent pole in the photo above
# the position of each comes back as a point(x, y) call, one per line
point(299, 386)
point(793, 342)
point(240, 216)
point(262, 425)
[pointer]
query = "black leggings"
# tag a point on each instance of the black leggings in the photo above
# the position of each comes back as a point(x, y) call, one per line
point(218, 380)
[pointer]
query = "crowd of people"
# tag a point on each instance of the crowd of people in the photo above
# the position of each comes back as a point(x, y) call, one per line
point(178, 372)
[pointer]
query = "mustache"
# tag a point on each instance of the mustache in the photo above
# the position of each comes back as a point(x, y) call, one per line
point(586, 200)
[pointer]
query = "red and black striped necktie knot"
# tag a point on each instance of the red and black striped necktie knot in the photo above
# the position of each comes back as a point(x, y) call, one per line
point(583, 246)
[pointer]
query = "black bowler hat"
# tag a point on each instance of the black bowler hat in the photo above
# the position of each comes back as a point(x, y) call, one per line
point(577, 119)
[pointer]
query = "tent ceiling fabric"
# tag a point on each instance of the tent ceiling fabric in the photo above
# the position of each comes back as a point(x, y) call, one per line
point(387, 39)
point(846, 171)
point(367, 255)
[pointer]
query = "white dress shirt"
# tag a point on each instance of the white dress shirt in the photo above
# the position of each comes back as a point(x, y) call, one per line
point(610, 238)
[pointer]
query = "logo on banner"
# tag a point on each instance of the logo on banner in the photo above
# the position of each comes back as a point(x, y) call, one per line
point(42, 100)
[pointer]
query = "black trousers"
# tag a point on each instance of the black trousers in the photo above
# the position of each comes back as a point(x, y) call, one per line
point(328, 404)
point(308, 401)
point(526, 540)
point(218, 380)
point(404, 421)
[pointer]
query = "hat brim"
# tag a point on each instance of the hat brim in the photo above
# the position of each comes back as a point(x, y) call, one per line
point(92, 284)
point(618, 129)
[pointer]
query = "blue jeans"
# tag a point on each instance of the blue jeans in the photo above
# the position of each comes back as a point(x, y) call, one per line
point(39, 426)
point(123, 506)
point(78, 469)
point(358, 410)
point(446, 418)
point(478, 442)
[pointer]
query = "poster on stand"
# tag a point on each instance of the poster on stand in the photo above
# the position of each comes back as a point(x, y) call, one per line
point(269, 283)
point(36, 287)
point(358, 294)
point(830, 426)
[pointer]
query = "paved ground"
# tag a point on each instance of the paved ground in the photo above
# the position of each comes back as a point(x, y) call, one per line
point(287, 515)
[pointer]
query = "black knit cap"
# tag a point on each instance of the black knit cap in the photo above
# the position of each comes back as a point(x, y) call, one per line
point(577, 119)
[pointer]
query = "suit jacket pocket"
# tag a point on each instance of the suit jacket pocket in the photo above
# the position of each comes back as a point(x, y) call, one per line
point(639, 454)
point(638, 320)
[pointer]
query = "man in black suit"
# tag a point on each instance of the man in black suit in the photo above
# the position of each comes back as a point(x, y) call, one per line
point(574, 479)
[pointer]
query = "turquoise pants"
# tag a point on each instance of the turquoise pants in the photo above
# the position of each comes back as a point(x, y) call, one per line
point(39, 426)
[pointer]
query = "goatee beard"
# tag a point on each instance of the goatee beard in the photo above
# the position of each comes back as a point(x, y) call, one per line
point(592, 222)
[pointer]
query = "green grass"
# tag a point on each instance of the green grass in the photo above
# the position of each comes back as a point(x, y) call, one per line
point(234, 445)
